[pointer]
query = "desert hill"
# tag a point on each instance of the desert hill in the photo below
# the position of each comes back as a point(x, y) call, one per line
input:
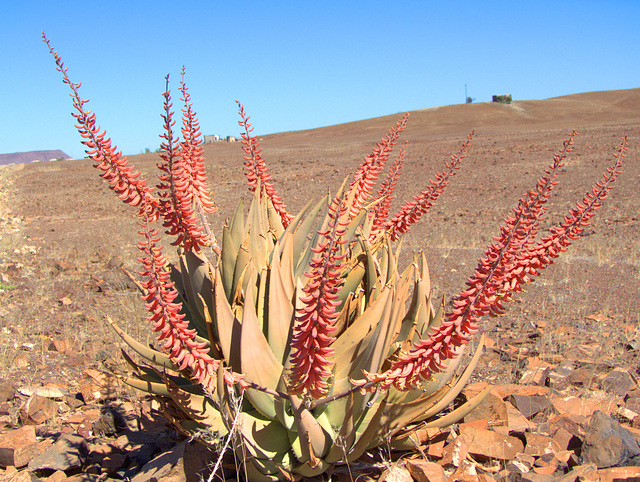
point(63, 235)
point(577, 110)
point(32, 156)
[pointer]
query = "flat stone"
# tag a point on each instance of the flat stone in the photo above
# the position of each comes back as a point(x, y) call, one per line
point(516, 421)
point(37, 410)
point(186, 461)
point(22, 476)
point(46, 392)
point(490, 444)
point(504, 391)
point(566, 440)
point(424, 471)
point(18, 447)
point(68, 452)
point(608, 444)
point(537, 445)
point(492, 408)
point(530, 405)
point(545, 470)
point(535, 477)
point(618, 381)
point(584, 407)
point(619, 474)
point(583, 473)
point(396, 473)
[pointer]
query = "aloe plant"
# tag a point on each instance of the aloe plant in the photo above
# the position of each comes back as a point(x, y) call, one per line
point(299, 337)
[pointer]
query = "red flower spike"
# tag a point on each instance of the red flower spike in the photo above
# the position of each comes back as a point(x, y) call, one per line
point(367, 174)
point(560, 237)
point(122, 178)
point(167, 321)
point(315, 320)
point(176, 185)
point(192, 153)
point(508, 264)
point(413, 210)
point(386, 194)
point(257, 169)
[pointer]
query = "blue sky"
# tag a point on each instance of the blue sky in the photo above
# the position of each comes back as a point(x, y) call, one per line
point(296, 65)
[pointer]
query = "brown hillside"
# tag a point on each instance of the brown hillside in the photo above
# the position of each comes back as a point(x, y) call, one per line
point(63, 234)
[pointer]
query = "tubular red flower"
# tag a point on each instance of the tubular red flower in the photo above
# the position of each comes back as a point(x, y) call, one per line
point(413, 210)
point(192, 153)
point(315, 320)
point(367, 174)
point(386, 194)
point(508, 263)
point(256, 167)
point(122, 178)
point(177, 192)
point(167, 321)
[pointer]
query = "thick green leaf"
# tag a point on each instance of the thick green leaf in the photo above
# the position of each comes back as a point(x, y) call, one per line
point(257, 361)
point(280, 306)
point(149, 354)
point(228, 325)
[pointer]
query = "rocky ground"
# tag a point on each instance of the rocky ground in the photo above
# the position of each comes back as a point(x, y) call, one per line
point(563, 361)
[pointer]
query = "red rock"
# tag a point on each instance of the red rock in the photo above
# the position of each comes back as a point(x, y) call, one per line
point(435, 449)
point(619, 382)
point(482, 423)
point(424, 471)
point(465, 473)
point(516, 421)
point(546, 470)
point(493, 445)
point(503, 391)
point(521, 464)
point(37, 410)
point(538, 445)
point(530, 405)
point(583, 473)
point(186, 461)
point(535, 372)
point(57, 476)
point(492, 408)
point(454, 453)
point(583, 407)
point(22, 476)
point(7, 391)
point(396, 473)
point(68, 452)
point(619, 474)
point(566, 440)
point(18, 447)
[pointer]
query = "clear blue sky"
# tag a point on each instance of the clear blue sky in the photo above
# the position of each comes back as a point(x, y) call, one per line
point(296, 64)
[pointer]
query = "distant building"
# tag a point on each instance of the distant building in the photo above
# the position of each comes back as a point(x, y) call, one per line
point(502, 99)
point(231, 139)
point(211, 139)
